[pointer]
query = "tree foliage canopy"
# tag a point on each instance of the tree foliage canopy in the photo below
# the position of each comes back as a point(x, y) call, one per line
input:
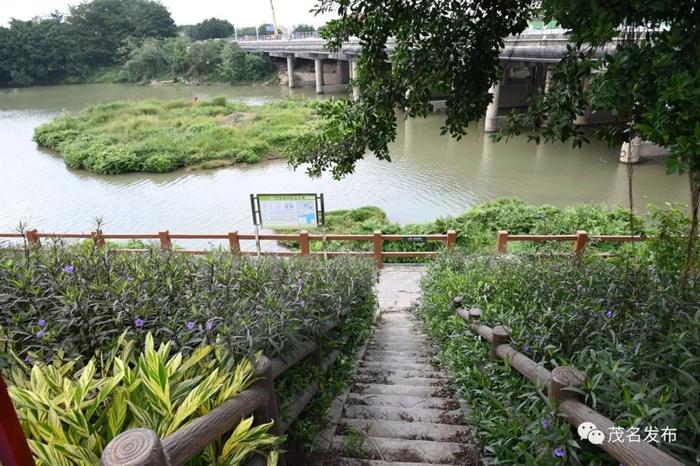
point(212, 28)
point(651, 82)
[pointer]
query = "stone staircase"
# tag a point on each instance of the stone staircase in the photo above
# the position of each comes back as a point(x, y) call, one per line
point(399, 410)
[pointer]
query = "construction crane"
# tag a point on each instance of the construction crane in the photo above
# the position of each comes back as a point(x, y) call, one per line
point(274, 20)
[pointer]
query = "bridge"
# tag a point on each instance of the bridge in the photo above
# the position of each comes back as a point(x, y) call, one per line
point(526, 59)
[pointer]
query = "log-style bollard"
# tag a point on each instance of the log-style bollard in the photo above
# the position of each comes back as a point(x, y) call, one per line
point(135, 447)
point(501, 334)
point(270, 410)
point(563, 377)
point(456, 302)
point(474, 314)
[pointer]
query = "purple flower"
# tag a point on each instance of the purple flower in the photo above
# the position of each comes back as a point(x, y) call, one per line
point(546, 424)
point(609, 314)
point(670, 364)
point(276, 269)
point(302, 303)
point(26, 359)
point(526, 349)
point(210, 325)
point(190, 325)
point(559, 452)
point(40, 333)
point(138, 322)
point(41, 323)
point(68, 268)
point(130, 279)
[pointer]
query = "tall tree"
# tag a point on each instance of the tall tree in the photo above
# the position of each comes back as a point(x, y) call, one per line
point(212, 28)
point(651, 82)
point(101, 26)
point(39, 51)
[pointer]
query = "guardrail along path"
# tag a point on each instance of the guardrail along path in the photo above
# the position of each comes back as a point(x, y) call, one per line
point(399, 410)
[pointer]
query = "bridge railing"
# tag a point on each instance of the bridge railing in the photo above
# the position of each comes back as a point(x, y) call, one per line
point(304, 238)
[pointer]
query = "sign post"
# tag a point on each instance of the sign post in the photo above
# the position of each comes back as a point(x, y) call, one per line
point(288, 211)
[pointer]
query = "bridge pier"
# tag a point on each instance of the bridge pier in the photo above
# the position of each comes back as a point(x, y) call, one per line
point(318, 67)
point(353, 75)
point(632, 151)
point(290, 71)
point(491, 123)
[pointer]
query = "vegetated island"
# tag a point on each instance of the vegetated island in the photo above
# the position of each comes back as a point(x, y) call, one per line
point(162, 136)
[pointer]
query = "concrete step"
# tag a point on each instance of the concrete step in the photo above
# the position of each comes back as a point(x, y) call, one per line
point(380, 389)
point(395, 365)
point(364, 462)
point(388, 449)
point(394, 379)
point(370, 353)
point(400, 347)
point(402, 401)
point(393, 413)
point(407, 430)
point(384, 371)
point(398, 359)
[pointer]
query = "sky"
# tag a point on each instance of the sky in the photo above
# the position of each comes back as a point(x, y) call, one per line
point(239, 12)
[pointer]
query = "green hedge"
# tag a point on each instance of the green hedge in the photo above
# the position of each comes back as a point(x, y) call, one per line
point(633, 331)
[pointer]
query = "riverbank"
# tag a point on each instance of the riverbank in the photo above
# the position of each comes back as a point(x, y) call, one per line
point(162, 136)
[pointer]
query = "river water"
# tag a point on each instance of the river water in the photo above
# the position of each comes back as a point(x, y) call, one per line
point(429, 176)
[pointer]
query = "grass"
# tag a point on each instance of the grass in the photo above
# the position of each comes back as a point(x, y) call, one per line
point(162, 136)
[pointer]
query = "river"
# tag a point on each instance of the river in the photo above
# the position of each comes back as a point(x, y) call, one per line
point(429, 176)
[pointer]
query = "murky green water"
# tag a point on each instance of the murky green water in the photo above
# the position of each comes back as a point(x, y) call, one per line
point(430, 175)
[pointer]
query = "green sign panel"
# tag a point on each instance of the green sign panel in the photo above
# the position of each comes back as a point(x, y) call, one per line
point(414, 239)
point(287, 210)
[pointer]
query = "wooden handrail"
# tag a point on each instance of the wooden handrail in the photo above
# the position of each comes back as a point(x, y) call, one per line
point(580, 239)
point(557, 381)
point(234, 238)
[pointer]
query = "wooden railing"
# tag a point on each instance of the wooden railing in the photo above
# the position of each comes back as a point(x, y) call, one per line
point(234, 238)
point(558, 383)
point(580, 239)
point(143, 447)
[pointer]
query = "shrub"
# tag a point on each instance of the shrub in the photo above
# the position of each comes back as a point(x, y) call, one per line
point(164, 136)
point(86, 297)
point(70, 414)
point(633, 331)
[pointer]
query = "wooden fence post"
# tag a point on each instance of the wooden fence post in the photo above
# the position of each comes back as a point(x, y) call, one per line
point(304, 242)
point(165, 243)
point(140, 447)
point(14, 450)
point(456, 302)
point(234, 243)
point(563, 377)
point(580, 243)
point(378, 249)
point(97, 238)
point(501, 334)
point(451, 239)
point(502, 241)
point(474, 314)
point(269, 411)
point(32, 237)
